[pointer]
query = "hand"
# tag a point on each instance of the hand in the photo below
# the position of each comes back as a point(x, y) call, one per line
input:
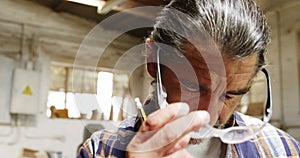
point(165, 133)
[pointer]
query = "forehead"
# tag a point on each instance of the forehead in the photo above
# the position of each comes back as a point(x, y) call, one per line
point(202, 66)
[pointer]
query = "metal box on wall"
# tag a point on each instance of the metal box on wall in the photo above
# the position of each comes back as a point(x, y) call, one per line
point(25, 92)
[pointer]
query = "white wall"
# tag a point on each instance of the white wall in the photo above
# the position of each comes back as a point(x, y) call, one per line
point(41, 133)
point(283, 55)
point(29, 31)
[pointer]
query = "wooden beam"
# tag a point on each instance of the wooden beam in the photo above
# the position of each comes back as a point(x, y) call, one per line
point(60, 6)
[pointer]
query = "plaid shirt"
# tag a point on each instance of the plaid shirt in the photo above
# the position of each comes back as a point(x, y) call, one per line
point(270, 142)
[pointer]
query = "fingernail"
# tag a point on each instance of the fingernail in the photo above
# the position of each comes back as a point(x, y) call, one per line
point(204, 115)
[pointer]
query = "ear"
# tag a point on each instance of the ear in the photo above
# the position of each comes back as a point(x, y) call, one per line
point(151, 58)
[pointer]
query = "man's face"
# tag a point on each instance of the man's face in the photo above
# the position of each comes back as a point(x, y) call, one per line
point(207, 88)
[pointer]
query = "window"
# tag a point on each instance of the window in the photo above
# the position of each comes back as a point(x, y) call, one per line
point(76, 93)
point(104, 92)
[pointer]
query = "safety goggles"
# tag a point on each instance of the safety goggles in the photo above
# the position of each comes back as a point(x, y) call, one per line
point(231, 135)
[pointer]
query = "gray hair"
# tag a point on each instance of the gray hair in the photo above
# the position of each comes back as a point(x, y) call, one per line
point(238, 27)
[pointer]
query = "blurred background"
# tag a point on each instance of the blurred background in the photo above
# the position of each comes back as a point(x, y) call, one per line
point(67, 69)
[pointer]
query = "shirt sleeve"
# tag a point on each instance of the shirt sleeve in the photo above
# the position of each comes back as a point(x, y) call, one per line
point(107, 144)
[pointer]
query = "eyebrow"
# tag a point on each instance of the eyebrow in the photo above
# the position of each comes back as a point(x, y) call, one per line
point(239, 92)
point(232, 92)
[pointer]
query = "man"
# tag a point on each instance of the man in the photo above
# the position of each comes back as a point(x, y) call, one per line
point(205, 54)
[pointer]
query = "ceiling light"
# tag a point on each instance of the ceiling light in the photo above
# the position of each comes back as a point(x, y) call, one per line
point(94, 3)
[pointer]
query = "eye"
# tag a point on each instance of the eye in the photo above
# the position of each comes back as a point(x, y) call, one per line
point(228, 96)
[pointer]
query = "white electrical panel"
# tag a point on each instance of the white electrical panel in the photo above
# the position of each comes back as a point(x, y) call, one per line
point(6, 74)
point(25, 92)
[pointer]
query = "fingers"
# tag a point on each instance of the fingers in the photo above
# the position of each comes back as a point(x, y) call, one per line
point(161, 117)
point(165, 138)
point(166, 132)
